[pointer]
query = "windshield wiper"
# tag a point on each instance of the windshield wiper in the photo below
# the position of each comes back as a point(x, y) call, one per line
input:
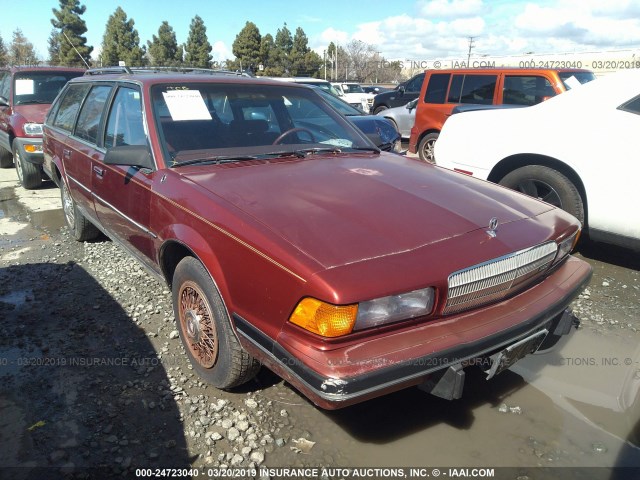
point(219, 160)
point(312, 151)
point(28, 102)
point(366, 149)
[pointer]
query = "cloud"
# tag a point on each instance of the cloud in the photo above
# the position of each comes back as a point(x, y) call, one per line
point(447, 9)
point(220, 52)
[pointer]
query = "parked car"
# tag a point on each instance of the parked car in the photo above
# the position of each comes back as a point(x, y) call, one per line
point(354, 95)
point(443, 90)
point(401, 95)
point(402, 117)
point(575, 151)
point(26, 93)
point(380, 131)
point(290, 240)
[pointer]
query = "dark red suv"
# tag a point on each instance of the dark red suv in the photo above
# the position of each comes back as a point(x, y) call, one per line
point(26, 93)
point(288, 239)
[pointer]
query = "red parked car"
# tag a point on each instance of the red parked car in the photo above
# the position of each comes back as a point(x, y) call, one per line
point(26, 93)
point(289, 240)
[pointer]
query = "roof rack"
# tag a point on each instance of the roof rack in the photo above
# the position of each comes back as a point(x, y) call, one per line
point(142, 70)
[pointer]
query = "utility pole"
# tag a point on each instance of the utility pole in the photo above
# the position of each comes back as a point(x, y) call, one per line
point(470, 48)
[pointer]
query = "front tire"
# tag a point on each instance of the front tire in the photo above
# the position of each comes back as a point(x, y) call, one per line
point(81, 228)
point(549, 185)
point(205, 328)
point(6, 158)
point(29, 175)
point(426, 147)
point(379, 109)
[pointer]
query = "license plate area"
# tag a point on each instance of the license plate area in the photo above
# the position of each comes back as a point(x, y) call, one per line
point(505, 358)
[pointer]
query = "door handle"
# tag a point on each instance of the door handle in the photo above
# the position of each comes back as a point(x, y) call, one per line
point(98, 171)
point(66, 153)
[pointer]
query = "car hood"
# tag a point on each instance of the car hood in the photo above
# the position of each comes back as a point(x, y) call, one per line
point(34, 113)
point(344, 209)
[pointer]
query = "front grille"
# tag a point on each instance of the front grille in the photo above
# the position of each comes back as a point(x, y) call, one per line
point(498, 278)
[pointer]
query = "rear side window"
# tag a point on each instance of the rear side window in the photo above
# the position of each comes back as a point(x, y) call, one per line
point(124, 125)
point(69, 105)
point(437, 88)
point(89, 118)
point(632, 106)
point(5, 85)
point(478, 89)
point(526, 89)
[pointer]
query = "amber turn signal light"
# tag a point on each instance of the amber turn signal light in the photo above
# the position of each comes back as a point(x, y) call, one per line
point(324, 318)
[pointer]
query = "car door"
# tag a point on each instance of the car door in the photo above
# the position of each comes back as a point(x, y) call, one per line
point(122, 194)
point(74, 153)
point(5, 111)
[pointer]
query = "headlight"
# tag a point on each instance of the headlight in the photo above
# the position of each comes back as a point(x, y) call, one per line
point(336, 320)
point(33, 128)
point(566, 246)
point(394, 308)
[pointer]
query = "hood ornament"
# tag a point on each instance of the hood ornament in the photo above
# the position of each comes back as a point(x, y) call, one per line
point(493, 227)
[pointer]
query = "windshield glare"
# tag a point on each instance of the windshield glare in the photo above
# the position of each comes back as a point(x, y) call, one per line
point(206, 120)
point(582, 77)
point(39, 87)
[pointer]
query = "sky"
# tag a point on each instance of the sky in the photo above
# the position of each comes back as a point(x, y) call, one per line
point(398, 29)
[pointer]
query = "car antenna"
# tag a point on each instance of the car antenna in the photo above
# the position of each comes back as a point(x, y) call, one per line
point(74, 47)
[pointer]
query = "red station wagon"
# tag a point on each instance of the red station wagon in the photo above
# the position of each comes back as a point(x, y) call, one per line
point(290, 240)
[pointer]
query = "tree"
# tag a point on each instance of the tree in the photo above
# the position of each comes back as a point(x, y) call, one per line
point(73, 45)
point(283, 47)
point(304, 61)
point(121, 41)
point(21, 50)
point(361, 60)
point(163, 49)
point(198, 47)
point(268, 57)
point(4, 54)
point(54, 47)
point(246, 47)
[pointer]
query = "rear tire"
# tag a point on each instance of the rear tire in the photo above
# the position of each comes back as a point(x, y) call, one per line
point(81, 228)
point(29, 175)
point(205, 328)
point(426, 146)
point(548, 185)
point(6, 158)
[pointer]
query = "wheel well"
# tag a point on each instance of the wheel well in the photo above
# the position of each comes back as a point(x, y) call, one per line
point(171, 254)
point(514, 162)
point(425, 133)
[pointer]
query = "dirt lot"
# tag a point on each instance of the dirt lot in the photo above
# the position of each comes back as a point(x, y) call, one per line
point(94, 382)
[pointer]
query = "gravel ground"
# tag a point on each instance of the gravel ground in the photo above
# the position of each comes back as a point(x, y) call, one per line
point(95, 374)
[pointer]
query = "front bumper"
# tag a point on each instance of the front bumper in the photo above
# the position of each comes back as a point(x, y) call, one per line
point(342, 375)
point(30, 149)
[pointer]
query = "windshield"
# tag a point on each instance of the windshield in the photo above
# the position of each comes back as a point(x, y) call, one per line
point(339, 104)
point(352, 88)
point(569, 78)
point(215, 120)
point(39, 87)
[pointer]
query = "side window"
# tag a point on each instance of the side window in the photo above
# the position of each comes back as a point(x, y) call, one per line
point(5, 84)
point(124, 125)
point(89, 117)
point(416, 84)
point(69, 105)
point(437, 88)
point(526, 90)
point(478, 89)
point(632, 106)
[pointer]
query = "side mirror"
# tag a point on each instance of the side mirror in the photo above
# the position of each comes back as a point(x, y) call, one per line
point(4, 102)
point(401, 90)
point(411, 105)
point(132, 155)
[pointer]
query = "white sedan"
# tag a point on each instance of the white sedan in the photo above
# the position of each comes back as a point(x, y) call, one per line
point(578, 151)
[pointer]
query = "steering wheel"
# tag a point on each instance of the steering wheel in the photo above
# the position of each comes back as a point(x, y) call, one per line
point(293, 130)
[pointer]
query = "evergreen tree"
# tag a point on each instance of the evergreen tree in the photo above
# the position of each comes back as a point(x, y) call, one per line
point(164, 49)
point(121, 41)
point(73, 45)
point(4, 54)
point(304, 61)
point(268, 57)
point(21, 50)
point(246, 47)
point(283, 47)
point(198, 47)
point(54, 47)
